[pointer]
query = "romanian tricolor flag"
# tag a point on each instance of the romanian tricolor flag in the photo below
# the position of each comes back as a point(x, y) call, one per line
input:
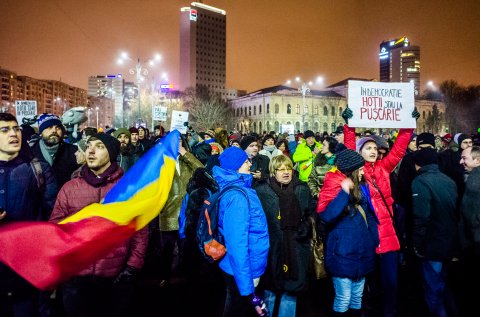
point(46, 254)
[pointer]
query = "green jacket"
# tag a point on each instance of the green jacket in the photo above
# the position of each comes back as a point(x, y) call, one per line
point(169, 215)
point(304, 157)
point(321, 166)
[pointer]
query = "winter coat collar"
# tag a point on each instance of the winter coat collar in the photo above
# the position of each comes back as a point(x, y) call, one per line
point(229, 177)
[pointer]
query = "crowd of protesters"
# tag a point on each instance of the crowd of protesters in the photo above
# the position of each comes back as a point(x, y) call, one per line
point(383, 203)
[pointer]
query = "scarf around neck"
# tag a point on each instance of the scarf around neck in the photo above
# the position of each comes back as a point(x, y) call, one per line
point(49, 152)
point(290, 216)
point(101, 179)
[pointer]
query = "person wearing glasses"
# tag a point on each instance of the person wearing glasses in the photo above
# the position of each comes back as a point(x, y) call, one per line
point(285, 200)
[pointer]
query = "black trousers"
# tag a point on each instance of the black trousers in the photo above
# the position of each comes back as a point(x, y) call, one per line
point(96, 296)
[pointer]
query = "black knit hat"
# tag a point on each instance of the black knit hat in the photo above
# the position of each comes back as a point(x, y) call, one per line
point(111, 143)
point(425, 157)
point(425, 138)
point(246, 141)
point(308, 133)
point(462, 137)
point(268, 137)
point(348, 161)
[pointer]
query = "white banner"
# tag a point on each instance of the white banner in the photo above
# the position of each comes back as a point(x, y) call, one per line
point(179, 119)
point(25, 109)
point(159, 113)
point(381, 105)
point(287, 128)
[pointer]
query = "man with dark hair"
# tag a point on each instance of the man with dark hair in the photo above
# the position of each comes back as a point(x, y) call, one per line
point(52, 149)
point(125, 159)
point(27, 193)
point(105, 288)
point(259, 162)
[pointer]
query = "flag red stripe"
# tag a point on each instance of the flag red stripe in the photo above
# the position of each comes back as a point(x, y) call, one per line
point(47, 253)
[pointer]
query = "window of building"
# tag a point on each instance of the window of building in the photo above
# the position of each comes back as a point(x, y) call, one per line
point(333, 111)
point(254, 110)
point(315, 110)
point(297, 126)
point(305, 126)
point(340, 110)
point(260, 127)
point(259, 109)
point(277, 126)
point(249, 111)
point(305, 109)
point(325, 111)
point(289, 109)
point(423, 114)
point(316, 127)
point(334, 126)
point(297, 109)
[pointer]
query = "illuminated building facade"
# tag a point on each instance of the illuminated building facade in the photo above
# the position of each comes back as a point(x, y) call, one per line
point(203, 47)
point(400, 62)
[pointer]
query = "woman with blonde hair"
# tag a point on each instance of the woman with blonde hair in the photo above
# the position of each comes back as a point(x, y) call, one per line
point(285, 201)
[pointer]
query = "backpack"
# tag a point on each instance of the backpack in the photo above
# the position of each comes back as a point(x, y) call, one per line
point(209, 238)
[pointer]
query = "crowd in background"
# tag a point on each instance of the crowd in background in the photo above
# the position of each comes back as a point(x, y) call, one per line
point(381, 202)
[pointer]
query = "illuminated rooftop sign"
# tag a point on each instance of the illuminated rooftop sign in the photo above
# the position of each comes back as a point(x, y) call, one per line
point(383, 53)
point(210, 8)
point(193, 15)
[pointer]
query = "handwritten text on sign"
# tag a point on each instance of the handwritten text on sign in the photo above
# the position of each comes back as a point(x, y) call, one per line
point(381, 105)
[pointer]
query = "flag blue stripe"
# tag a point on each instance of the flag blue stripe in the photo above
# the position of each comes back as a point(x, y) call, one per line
point(146, 170)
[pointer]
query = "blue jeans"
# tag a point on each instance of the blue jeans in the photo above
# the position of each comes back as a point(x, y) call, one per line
point(288, 304)
point(434, 277)
point(348, 293)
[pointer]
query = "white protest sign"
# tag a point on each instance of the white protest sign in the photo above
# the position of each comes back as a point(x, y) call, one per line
point(159, 113)
point(25, 109)
point(381, 105)
point(287, 128)
point(179, 118)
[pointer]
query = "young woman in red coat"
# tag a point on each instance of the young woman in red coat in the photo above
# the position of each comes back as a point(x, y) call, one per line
point(377, 175)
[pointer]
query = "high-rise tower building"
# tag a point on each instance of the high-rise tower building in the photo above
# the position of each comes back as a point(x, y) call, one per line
point(203, 47)
point(400, 62)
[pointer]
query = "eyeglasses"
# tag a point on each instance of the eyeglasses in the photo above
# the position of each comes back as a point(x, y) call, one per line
point(283, 170)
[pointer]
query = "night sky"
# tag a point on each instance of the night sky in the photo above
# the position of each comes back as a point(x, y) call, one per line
point(268, 42)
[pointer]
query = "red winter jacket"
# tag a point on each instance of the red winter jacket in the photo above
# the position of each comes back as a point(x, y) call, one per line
point(380, 173)
point(75, 195)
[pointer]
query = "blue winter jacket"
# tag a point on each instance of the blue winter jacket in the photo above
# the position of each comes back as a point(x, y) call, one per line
point(351, 240)
point(244, 227)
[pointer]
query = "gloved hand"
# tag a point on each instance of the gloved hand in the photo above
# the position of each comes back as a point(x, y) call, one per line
point(415, 114)
point(126, 276)
point(259, 305)
point(347, 114)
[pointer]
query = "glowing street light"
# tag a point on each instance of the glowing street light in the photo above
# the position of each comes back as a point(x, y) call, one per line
point(139, 70)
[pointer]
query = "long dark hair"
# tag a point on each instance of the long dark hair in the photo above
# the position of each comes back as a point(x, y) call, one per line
point(356, 193)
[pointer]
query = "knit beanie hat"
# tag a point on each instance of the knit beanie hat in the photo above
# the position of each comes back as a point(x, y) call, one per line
point(210, 133)
point(246, 141)
point(119, 131)
point(362, 141)
point(462, 137)
point(425, 157)
point(111, 143)
point(308, 133)
point(232, 158)
point(47, 120)
point(425, 138)
point(348, 161)
point(133, 130)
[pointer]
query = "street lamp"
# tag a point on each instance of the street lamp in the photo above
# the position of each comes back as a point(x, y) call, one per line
point(96, 108)
point(139, 70)
point(304, 89)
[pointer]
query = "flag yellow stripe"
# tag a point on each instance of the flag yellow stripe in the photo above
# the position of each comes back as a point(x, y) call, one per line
point(144, 205)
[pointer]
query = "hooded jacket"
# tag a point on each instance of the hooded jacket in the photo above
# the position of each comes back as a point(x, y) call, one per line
point(243, 224)
point(304, 157)
point(75, 195)
point(379, 173)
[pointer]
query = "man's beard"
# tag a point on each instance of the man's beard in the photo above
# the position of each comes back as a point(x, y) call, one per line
point(52, 139)
point(125, 149)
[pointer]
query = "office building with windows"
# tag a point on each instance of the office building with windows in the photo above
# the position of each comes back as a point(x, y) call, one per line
point(400, 62)
point(203, 47)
